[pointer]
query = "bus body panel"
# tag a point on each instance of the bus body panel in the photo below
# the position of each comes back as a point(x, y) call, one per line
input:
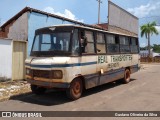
point(96, 69)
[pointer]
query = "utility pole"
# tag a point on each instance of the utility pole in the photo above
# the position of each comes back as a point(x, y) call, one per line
point(99, 8)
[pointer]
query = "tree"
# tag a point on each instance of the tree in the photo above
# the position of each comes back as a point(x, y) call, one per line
point(148, 30)
point(156, 48)
point(145, 48)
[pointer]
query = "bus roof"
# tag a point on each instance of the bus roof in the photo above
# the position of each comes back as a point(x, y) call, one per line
point(84, 27)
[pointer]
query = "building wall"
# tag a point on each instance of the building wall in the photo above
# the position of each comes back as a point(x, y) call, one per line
point(4, 32)
point(19, 29)
point(144, 53)
point(121, 31)
point(36, 21)
point(121, 18)
point(5, 59)
point(19, 55)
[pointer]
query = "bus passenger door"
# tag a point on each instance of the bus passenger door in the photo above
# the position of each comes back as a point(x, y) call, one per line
point(101, 57)
point(88, 59)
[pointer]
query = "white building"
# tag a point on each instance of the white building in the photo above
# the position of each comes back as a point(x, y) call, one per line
point(144, 53)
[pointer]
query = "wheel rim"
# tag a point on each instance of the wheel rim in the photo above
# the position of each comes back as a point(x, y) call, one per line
point(76, 88)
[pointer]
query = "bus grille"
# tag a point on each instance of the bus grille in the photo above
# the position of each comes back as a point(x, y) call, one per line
point(41, 73)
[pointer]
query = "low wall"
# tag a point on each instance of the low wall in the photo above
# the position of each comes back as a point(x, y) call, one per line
point(154, 59)
point(5, 59)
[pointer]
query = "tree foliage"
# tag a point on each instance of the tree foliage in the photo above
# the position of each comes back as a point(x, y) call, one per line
point(155, 47)
point(147, 30)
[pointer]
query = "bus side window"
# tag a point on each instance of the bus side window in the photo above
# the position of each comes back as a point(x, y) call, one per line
point(124, 44)
point(100, 43)
point(112, 43)
point(89, 42)
point(134, 45)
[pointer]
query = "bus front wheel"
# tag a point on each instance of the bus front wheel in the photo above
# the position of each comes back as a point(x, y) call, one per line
point(127, 76)
point(37, 90)
point(75, 90)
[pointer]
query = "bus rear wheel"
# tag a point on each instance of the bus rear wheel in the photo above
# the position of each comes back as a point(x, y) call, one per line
point(37, 90)
point(75, 90)
point(127, 76)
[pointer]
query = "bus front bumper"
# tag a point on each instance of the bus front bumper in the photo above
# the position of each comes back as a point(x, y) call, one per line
point(48, 84)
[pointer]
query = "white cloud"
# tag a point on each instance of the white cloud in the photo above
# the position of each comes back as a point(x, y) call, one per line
point(49, 10)
point(143, 44)
point(152, 8)
point(67, 14)
point(158, 28)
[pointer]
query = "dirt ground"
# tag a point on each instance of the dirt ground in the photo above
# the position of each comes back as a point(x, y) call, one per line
point(12, 88)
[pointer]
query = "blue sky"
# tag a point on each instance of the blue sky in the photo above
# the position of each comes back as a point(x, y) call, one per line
point(86, 10)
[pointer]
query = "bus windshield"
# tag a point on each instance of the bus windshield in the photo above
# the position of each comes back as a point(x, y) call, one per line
point(54, 43)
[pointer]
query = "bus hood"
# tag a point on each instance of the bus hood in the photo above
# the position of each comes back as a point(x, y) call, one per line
point(33, 62)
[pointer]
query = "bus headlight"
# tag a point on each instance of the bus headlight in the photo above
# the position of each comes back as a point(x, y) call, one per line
point(57, 74)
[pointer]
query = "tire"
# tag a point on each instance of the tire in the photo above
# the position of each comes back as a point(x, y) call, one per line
point(75, 90)
point(38, 90)
point(127, 75)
